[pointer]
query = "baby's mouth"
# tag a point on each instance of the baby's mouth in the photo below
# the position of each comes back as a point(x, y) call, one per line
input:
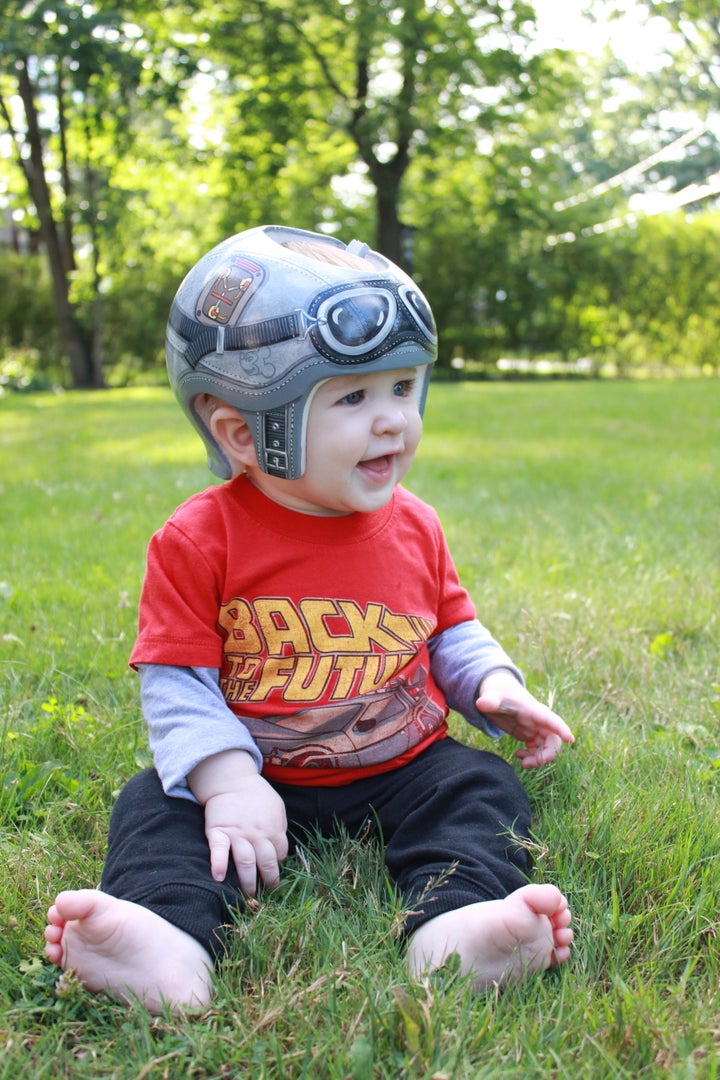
point(379, 467)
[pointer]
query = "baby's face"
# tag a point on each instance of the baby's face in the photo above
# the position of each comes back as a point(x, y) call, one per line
point(362, 434)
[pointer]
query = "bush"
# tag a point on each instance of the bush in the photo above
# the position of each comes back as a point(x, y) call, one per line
point(27, 312)
point(20, 370)
point(135, 312)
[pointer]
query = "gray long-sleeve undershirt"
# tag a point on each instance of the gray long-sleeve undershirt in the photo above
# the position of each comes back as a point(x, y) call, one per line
point(189, 720)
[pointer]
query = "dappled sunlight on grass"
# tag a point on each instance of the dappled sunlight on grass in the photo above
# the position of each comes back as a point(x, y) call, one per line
point(118, 427)
point(584, 519)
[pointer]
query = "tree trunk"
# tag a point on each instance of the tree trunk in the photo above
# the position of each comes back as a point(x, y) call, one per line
point(392, 235)
point(389, 228)
point(68, 250)
point(73, 339)
point(387, 176)
point(96, 345)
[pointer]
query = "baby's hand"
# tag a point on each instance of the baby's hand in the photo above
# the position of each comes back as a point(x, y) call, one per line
point(244, 816)
point(513, 709)
point(250, 823)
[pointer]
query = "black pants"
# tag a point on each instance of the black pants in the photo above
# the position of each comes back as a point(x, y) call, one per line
point(451, 809)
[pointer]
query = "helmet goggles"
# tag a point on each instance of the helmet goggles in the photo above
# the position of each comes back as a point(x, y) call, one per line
point(355, 324)
point(347, 324)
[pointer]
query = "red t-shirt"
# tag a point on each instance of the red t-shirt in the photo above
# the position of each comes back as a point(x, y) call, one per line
point(318, 625)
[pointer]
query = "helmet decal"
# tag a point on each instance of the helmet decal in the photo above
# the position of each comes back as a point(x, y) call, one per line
point(224, 298)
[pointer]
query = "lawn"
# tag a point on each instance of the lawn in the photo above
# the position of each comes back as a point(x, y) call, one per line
point(585, 521)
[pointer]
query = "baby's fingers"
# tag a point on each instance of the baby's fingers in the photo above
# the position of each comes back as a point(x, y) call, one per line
point(539, 753)
point(560, 729)
point(267, 862)
point(246, 865)
point(219, 843)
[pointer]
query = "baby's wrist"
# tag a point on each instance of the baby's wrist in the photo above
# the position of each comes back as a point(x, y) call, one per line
point(504, 673)
point(221, 774)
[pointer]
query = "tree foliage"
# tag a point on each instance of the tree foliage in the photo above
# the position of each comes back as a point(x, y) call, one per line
point(70, 74)
point(133, 136)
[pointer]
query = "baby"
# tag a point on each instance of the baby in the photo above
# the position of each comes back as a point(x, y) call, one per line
point(303, 636)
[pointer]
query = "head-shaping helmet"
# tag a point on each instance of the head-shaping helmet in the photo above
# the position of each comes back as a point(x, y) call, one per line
point(269, 314)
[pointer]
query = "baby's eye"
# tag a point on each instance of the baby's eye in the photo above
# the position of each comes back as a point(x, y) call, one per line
point(404, 388)
point(353, 398)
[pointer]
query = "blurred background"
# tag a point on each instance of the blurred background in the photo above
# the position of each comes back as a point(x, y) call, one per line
point(549, 173)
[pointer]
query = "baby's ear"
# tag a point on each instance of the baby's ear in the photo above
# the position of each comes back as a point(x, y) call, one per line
point(234, 436)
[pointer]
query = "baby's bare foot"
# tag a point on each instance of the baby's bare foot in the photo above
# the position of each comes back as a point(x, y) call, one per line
point(498, 941)
point(127, 951)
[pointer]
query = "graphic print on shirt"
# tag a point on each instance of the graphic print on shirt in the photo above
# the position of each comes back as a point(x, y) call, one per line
point(341, 681)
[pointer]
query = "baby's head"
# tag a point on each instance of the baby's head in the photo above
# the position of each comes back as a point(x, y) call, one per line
point(268, 315)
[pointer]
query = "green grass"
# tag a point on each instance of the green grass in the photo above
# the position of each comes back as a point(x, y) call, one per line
point(585, 520)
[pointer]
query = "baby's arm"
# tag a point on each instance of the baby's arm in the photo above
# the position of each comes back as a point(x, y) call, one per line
point(193, 734)
point(480, 681)
point(460, 658)
point(244, 816)
point(513, 709)
point(188, 720)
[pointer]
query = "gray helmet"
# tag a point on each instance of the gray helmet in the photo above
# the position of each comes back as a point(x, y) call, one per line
point(262, 319)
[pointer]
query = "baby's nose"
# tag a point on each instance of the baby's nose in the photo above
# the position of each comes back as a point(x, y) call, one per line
point(391, 420)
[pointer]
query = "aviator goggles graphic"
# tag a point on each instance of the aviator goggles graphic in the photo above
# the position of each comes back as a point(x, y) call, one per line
point(348, 324)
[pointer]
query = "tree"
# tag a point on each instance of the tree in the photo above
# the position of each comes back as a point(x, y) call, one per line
point(68, 73)
point(675, 95)
point(20, 60)
point(390, 81)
